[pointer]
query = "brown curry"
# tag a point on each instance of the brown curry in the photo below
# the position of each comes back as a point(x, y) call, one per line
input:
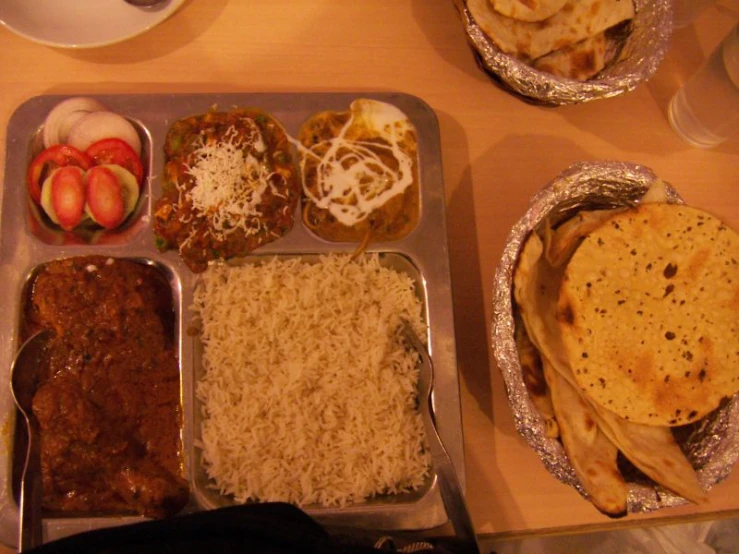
point(360, 174)
point(108, 404)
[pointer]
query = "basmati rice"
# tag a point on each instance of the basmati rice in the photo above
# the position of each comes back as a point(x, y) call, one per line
point(308, 393)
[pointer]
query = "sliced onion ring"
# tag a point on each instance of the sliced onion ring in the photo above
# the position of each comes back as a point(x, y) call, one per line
point(62, 117)
point(104, 124)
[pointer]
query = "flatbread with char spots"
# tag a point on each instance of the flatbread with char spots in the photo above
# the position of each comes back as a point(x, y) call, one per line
point(574, 41)
point(649, 314)
point(540, 282)
point(528, 10)
point(580, 61)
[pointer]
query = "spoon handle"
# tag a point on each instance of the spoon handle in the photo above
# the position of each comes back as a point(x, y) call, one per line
point(24, 382)
point(30, 531)
point(446, 477)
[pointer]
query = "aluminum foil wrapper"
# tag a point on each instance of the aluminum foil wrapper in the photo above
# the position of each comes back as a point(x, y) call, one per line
point(711, 445)
point(642, 52)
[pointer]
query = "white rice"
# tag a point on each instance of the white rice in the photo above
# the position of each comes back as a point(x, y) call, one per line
point(308, 393)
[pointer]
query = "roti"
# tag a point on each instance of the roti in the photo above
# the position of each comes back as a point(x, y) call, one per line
point(575, 21)
point(532, 371)
point(581, 61)
point(538, 281)
point(590, 451)
point(592, 454)
point(648, 313)
point(528, 10)
point(653, 450)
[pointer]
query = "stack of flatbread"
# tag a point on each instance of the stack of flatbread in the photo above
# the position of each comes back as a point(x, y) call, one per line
point(567, 38)
point(630, 328)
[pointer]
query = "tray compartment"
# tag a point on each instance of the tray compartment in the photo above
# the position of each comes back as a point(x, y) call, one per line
point(105, 387)
point(42, 228)
point(204, 490)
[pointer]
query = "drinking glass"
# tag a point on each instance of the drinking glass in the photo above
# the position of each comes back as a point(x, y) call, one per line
point(705, 111)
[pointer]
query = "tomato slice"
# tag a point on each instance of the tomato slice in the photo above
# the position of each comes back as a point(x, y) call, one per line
point(50, 159)
point(118, 152)
point(68, 196)
point(105, 197)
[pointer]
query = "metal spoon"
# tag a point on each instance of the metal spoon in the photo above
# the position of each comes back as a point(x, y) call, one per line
point(449, 487)
point(24, 380)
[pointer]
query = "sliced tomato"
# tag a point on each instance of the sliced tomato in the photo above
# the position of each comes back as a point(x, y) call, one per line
point(68, 196)
point(48, 160)
point(118, 152)
point(104, 197)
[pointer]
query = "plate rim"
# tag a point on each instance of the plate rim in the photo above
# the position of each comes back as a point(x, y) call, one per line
point(158, 17)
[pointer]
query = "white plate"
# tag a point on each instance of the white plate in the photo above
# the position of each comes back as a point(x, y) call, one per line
point(81, 23)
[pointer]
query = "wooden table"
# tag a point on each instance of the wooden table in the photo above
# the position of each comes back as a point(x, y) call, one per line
point(497, 152)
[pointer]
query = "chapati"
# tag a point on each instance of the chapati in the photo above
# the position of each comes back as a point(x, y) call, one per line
point(591, 453)
point(575, 21)
point(532, 371)
point(581, 61)
point(528, 10)
point(538, 281)
point(648, 313)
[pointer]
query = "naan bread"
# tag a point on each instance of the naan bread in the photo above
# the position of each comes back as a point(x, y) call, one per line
point(537, 283)
point(535, 289)
point(649, 314)
point(576, 21)
point(532, 372)
point(528, 10)
point(654, 451)
point(580, 61)
point(591, 453)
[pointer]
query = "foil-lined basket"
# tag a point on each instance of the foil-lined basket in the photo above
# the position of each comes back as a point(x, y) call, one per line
point(643, 50)
point(711, 444)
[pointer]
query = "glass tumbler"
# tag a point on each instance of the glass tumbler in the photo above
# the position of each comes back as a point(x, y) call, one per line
point(705, 111)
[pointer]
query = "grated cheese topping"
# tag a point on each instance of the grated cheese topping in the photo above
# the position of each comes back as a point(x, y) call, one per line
point(229, 183)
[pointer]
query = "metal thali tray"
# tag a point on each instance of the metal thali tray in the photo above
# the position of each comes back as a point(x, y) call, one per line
point(26, 243)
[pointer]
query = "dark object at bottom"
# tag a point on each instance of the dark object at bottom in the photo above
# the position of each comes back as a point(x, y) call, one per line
point(273, 528)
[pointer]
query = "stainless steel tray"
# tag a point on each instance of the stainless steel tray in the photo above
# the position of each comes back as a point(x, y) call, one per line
point(25, 243)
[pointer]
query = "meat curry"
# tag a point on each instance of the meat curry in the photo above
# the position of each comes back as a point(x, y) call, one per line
point(108, 404)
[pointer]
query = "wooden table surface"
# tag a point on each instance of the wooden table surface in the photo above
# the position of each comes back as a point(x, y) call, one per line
point(497, 152)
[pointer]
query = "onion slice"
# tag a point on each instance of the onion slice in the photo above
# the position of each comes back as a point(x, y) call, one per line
point(64, 115)
point(104, 124)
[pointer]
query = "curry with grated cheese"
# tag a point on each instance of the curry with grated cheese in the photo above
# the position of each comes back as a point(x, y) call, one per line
point(229, 186)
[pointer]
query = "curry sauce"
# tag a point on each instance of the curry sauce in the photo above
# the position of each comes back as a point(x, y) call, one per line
point(108, 404)
point(360, 173)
